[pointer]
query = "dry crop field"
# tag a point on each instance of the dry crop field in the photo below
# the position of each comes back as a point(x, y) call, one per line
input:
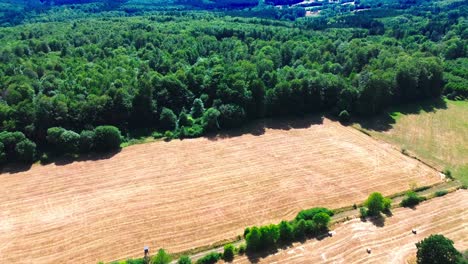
point(191, 193)
point(392, 243)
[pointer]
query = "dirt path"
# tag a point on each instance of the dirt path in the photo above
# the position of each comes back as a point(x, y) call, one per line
point(186, 194)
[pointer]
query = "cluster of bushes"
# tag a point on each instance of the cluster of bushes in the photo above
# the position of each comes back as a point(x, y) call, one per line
point(15, 147)
point(307, 223)
point(101, 139)
point(375, 204)
point(412, 199)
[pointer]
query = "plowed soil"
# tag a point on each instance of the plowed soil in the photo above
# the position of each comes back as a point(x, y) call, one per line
point(392, 243)
point(191, 193)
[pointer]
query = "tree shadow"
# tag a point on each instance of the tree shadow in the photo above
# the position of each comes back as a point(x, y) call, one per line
point(14, 168)
point(259, 127)
point(385, 121)
point(378, 221)
point(65, 160)
point(255, 257)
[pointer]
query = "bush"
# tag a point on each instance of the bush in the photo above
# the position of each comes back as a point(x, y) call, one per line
point(69, 142)
point(184, 260)
point(86, 141)
point(376, 203)
point(25, 150)
point(242, 249)
point(107, 138)
point(45, 159)
point(448, 174)
point(411, 199)
point(269, 236)
point(300, 229)
point(321, 221)
point(197, 109)
point(436, 249)
point(167, 119)
point(184, 119)
point(440, 193)
point(286, 232)
point(210, 119)
point(363, 212)
point(211, 258)
point(344, 116)
point(310, 213)
point(253, 239)
point(228, 253)
point(54, 136)
point(168, 135)
point(157, 135)
point(191, 132)
point(232, 115)
point(161, 258)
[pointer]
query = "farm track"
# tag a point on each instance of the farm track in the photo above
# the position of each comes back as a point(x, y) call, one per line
point(392, 243)
point(186, 194)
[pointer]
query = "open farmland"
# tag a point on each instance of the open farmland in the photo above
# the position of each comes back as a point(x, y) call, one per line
point(436, 135)
point(392, 243)
point(191, 193)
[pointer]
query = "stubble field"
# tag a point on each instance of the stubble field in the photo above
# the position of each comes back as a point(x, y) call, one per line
point(191, 193)
point(393, 243)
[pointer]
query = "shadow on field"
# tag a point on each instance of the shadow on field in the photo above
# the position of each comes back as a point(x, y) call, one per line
point(385, 122)
point(258, 127)
point(15, 168)
point(378, 221)
point(62, 161)
point(257, 256)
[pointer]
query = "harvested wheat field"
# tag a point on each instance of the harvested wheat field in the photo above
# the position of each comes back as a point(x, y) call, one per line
point(191, 193)
point(392, 243)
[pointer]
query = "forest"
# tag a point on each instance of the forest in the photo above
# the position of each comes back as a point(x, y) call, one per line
point(70, 73)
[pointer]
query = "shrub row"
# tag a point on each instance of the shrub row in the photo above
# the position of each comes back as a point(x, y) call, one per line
point(412, 199)
point(306, 224)
point(101, 139)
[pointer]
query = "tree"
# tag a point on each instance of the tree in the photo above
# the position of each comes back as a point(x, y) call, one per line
point(184, 119)
point(436, 249)
point(107, 138)
point(286, 232)
point(86, 141)
point(376, 203)
point(167, 119)
point(228, 253)
point(231, 115)
point(54, 135)
point(300, 229)
point(184, 260)
point(210, 119)
point(322, 220)
point(69, 141)
point(253, 239)
point(269, 236)
point(25, 150)
point(161, 258)
point(197, 108)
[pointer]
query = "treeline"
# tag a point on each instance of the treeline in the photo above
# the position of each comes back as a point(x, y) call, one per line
point(308, 223)
point(185, 75)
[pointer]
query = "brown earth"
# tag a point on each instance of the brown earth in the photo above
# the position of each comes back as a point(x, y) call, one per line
point(191, 193)
point(392, 243)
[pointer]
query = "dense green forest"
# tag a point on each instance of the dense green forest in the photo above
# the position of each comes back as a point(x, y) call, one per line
point(80, 69)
